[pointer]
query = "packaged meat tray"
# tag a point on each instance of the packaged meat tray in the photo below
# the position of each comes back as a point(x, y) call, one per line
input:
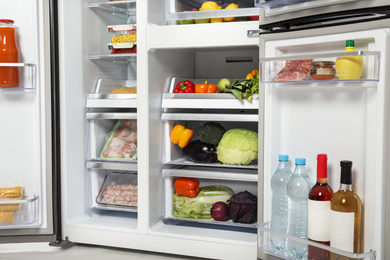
point(122, 27)
point(121, 143)
point(119, 189)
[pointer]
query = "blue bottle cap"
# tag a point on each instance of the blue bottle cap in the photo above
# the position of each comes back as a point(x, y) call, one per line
point(300, 161)
point(283, 157)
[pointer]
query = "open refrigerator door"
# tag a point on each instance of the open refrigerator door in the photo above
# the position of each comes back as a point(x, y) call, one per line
point(344, 118)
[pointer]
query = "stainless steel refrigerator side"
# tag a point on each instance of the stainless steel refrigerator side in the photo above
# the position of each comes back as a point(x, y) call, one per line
point(384, 229)
point(268, 16)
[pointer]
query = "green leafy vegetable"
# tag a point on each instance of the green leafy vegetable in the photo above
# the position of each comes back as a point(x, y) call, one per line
point(238, 147)
point(211, 133)
point(199, 206)
point(245, 88)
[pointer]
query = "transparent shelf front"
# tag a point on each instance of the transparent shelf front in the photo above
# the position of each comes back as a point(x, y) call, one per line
point(356, 66)
point(127, 57)
point(269, 4)
point(264, 245)
point(126, 7)
point(22, 76)
point(18, 212)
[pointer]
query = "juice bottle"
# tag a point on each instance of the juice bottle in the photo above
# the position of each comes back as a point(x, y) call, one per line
point(9, 53)
point(349, 67)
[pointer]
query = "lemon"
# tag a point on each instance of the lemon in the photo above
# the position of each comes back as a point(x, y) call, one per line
point(216, 20)
point(230, 19)
point(209, 5)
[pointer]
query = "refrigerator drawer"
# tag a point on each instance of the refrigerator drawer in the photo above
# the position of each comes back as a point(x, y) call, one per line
point(113, 136)
point(113, 94)
point(265, 246)
point(238, 182)
point(173, 154)
point(19, 213)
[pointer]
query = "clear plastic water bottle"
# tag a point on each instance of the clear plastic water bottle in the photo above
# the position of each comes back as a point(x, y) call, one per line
point(298, 189)
point(279, 207)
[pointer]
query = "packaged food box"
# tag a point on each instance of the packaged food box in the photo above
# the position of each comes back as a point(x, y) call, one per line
point(121, 143)
point(119, 189)
point(7, 211)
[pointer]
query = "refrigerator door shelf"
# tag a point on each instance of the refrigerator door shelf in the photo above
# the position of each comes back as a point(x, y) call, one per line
point(265, 246)
point(27, 77)
point(296, 4)
point(275, 67)
point(130, 28)
point(21, 213)
point(238, 182)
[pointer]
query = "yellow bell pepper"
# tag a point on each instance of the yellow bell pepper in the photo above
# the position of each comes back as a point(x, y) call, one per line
point(181, 135)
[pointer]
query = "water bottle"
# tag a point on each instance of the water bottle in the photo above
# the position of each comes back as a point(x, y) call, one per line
point(279, 207)
point(298, 189)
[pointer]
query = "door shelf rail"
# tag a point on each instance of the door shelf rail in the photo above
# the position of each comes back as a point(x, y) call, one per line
point(276, 69)
point(21, 212)
point(27, 76)
point(265, 246)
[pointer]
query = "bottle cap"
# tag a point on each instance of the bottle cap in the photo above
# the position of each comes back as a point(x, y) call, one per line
point(346, 173)
point(283, 157)
point(300, 161)
point(350, 43)
point(322, 171)
point(6, 21)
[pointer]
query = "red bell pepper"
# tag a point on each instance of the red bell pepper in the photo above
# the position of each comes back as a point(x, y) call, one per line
point(184, 86)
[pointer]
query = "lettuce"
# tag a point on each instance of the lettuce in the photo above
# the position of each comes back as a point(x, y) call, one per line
point(199, 206)
point(238, 147)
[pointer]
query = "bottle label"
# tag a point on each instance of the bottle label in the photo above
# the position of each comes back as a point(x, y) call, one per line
point(342, 230)
point(319, 220)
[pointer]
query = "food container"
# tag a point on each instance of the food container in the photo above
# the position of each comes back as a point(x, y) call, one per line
point(119, 189)
point(322, 70)
point(121, 144)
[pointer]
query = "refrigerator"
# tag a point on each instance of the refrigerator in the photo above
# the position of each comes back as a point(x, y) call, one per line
point(64, 100)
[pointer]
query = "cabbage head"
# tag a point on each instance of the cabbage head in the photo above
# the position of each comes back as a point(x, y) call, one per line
point(238, 147)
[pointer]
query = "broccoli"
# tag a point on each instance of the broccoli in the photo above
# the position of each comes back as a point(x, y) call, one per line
point(211, 133)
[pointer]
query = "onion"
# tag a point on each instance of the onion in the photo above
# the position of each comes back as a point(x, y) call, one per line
point(220, 211)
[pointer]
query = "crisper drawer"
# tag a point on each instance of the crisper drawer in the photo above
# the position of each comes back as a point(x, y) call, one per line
point(177, 207)
point(175, 155)
point(113, 136)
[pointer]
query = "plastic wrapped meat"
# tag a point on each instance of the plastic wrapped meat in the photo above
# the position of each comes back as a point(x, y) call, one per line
point(126, 195)
point(294, 70)
point(122, 142)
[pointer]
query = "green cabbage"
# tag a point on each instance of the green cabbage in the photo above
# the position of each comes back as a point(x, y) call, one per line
point(199, 206)
point(238, 147)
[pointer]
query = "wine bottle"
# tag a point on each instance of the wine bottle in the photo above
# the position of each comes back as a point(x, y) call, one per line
point(319, 211)
point(346, 214)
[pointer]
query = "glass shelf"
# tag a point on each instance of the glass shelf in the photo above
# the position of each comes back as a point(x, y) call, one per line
point(267, 4)
point(115, 6)
point(22, 212)
point(127, 57)
point(297, 69)
point(239, 12)
point(265, 246)
point(27, 76)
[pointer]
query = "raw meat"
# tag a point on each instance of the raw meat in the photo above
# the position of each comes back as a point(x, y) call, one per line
point(294, 70)
point(126, 194)
point(124, 141)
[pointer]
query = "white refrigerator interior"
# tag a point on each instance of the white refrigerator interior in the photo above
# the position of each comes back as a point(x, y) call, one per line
point(347, 120)
point(26, 120)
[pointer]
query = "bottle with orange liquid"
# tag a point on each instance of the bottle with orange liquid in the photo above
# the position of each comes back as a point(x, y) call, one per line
point(9, 53)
